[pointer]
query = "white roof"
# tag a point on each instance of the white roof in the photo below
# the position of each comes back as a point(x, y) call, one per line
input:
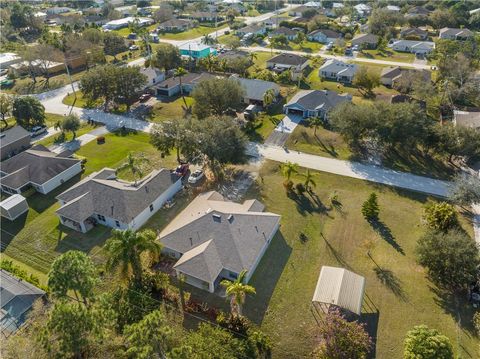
point(7, 57)
point(127, 20)
point(193, 46)
point(393, 8)
point(232, 1)
point(312, 4)
point(362, 7)
point(12, 201)
point(340, 287)
point(337, 5)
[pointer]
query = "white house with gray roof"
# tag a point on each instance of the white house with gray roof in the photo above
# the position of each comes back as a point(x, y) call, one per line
point(412, 46)
point(455, 34)
point(105, 199)
point(314, 103)
point(214, 239)
point(255, 89)
point(338, 71)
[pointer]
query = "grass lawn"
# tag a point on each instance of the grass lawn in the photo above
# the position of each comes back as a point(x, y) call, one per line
point(306, 46)
point(252, 12)
point(80, 101)
point(55, 139)
point(169, 110)
point(263, 126)
point(25, 85)
point(389, 55)
point(286, 276)
point(261, 61)
point(50, 120)
point(192, 33)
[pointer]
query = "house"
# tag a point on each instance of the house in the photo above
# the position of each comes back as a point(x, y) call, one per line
point(205, 16)
point(255, 29)
point(363, 9)
point(365, 41)
point(324, 36)
point(392, 8)
point(13, 141)
point(414, 33)
point(256, 89)
point(298, 11)
point(56, 10)
point(338, 71)
point(417, 11)
point(121, 23)
point(332, 12)
point(171, 86)
point(314, 103)
point(274, 21)
point(415, 47)
point(470, 119)
point(315, 4)
point(13, 207)
point(449, 33)
point(39, 168)
point(8, 58)
point(196, 50)
point(175, 25)
point(214, 239)
point(38, 66)
point(295, 63)
point(18, 297)
point(290, 34)
point(391, 75)
point(103, 198)
point(154, 76)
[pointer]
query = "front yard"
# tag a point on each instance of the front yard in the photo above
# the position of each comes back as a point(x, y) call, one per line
point(192, 33)
point(388, 55)
point(169, 109)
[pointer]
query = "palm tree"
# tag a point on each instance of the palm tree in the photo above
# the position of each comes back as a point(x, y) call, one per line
point(268, 97)
point(180, 72)
point(315, 122)
point(288, 169)
point(210, 62)
point(253, 56)
point(222, 65)
point(125, 248)
point(208, 40)
point(133, 164)
point(309, 181)
point(237, 291)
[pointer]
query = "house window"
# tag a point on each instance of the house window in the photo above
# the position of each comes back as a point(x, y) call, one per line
point(101, 218)
point(151, 207)
point(117, 223)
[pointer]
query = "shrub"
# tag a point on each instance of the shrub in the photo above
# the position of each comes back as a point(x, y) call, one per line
point(15, 270)
point(233, 322)
point(426, 343)
point(440, 216)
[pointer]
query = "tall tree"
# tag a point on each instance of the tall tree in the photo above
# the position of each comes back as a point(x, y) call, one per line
point(28, 112)
point(216, 96)
point(309, 182)
point(6, 105)
point(167, 57)
point(128, 82)
point(465, 190)
point(170, 135)
point(73, 271)
point(315, 122)
point(370, 208)
point(99, 83)
point(288, 169)
point(180, 72)
point(125, 248)
point(423, 342)
point(46, 56)
point(269, 97)
point(237, 291)
point(71, 123)
point(440, 216)
point(366, 81)
point(113, 44)
point(134, 165)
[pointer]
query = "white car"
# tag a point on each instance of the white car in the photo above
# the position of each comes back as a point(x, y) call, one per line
point(196, 176)
point(133, 47)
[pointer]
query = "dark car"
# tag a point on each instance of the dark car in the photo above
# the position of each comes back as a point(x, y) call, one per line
point(145, 97)
point(182, 169)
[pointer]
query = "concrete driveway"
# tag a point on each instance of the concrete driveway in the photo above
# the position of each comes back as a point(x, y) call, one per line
point(280, 134)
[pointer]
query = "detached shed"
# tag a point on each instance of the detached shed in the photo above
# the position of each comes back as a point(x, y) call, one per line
point(13, 207)
point(341, 288)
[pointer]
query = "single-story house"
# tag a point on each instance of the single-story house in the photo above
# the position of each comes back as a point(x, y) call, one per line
point(105, 199)
point(18, 297)
point(13, 207)
point(419, 11)
point(175, 25)
point(121, 23)
point(39, 168)
point(455, 34)
point(392, 8)
point(55, 10)
point(363, 9)
point(154, 75)
point(390, 75)
point(37, 66)
point(286, 61)
point(299, 10)
point(275, 21)
point(214, 239)
point(290, 34)
point(9, 58)
point(365, 41)
point(314, 103)
point(324, 36)
point(415, 47)
point(171, 86)
point(331, 12)
point(338, 71)
point(255, 29)
point(470, 119)
point(196, 50)
point(205, 16)
point(13, 141)
point(414, 32)
point(256, 89)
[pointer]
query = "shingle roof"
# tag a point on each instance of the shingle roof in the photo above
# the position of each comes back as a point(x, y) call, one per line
point(251, 28)
point(12, 135)
point(391, 72)
point(175, 23)
point(327, 32)
point(413, 31)
point(212, 232)
point(365, 38)
point(455, 32)
point(339, 67)
point(255, 89)
point(288, 59)
point(190, 78)
point(316, 99)
point(284, 31)
point(37, 165)
point(102, 193)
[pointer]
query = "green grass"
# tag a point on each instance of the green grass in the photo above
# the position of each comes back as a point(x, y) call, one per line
point(80, 101)
point(263, 126)
point(25, 85)
point(50, 120)
point(388, 55)
point(286, 276)
point(306, 46)
point(260, 62)
point(253, 12)
point(55, 139)
point(192, 33)
point(163, 111)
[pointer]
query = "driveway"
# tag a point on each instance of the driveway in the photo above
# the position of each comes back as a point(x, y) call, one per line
point(280, 134)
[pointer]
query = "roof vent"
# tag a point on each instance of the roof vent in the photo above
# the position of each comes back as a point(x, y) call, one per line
point(191, 242)
point(217, 217)
point(230, 218)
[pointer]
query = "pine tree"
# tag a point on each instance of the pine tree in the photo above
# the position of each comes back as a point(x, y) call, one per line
point(370, 208)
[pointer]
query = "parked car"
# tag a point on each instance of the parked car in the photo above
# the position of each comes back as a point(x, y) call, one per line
point(196, 176)
point(182, 169)
point(355, 48)
point(132, 36)
point(133, 47)
point(348, 51)
point(38, 130)
point(329, 46)
point(251, 111)
point(145, 97)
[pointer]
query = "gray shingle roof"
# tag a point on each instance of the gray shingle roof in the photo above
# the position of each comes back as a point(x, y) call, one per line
point(327, 32)
point(102, 193)
point(255, 89)
point(316, 99)
point(288, 59)
point(175, 23)
point(339, 67)
point(37, 165)
point(212, 231)
point(365, 38)
point(12, 135)
point(284, 31)
point(455, 32)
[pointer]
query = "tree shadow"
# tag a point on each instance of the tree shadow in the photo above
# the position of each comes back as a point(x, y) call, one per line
point(307, 204)
point(391, 281)
point(385, 232)
point(335, 254)
point(69, 239)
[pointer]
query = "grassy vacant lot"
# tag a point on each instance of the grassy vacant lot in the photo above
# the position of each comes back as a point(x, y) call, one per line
point(56, 139)
point(263, 126)
point(398, 287)
point(25, 85)
point(306, 46)
point(169, 109)
point(261, 61)
point(192, 33)
point(389, 55)
point(37, 237)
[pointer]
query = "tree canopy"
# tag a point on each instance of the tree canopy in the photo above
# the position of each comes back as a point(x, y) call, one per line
point(28, 111)
point(423, 342)
point(167, 57)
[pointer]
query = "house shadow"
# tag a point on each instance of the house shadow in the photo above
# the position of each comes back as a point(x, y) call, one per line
point(9, 229)
point(266, 277)
point(371, 320)
point(384, 231)
point(69, 239)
